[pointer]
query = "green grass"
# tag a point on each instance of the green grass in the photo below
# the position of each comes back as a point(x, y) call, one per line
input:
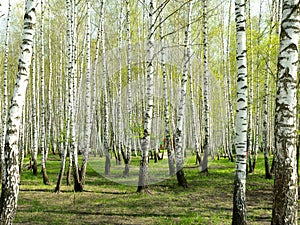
point(112, 200)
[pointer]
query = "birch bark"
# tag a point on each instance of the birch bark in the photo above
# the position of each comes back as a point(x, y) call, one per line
point(5, 92)
point(143, 174)
point(179, 156)
point(285, 205)
point(10, 181)
point(239, 195)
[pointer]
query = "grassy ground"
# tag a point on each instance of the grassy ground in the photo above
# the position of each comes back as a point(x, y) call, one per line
point(208, 200)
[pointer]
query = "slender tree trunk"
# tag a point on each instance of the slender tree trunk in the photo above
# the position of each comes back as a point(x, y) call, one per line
point(10, 182)
point(129, 94)
point(105, 87)
point(239, 195)
point(228, 87)
point(179, 156)
point(43, 110)
point(285, 204)
point(250, 96)
point(88, 124)
point(206, 89)
point(72, 64)
point(50, 91)
point(143, 174)
point(5, 92)
point(257, 120)
point(171, 159)
point(265, 132)
point(120, 124)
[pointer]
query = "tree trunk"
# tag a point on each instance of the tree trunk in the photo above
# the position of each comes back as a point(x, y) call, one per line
point(34, 115)
point(265, 132)
point(239, 195)
point(143, 174)
point(5, 91)
point(129, 94)
point(167, 144)
point(179, 156)
point(250, 97)
point(43, 110)
point(206, 89)
point(285, 205)
point(88, 124)
point(10, 182)
point(105, 97)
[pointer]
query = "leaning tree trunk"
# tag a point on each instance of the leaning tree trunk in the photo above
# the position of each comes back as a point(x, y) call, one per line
point(10, 182)
point(105, 101)
point(88, 124)
point(34, 115)
point(5, 96)
point(171, 159)
point(63, 150)
point(72, 64)
point(127, 157)
point(206, 89)
point(257, 108)
point(239, 195)
point(228, 87)
point(250, 96)
point(143, 174)
point(285, 204)
point(43, 110)
point(181, 111)
point(50, 127)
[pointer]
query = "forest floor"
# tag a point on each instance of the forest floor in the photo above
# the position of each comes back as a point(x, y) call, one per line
point(207, 200)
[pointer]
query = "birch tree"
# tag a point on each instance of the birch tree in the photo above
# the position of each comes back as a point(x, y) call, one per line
point(11, 179)
point(239, 195)
point(105, 97)
point(34, 115)
point(182, 107)
point(43, 108)
point(5, 92)
point(127, 154)
point(285, 205)
point(206, 89)
point(266, 103)
point(143, 174)
point(88, 124)
point(171, 159)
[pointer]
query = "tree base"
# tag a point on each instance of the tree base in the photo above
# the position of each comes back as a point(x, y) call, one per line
point(181, 179)
point(205, 171)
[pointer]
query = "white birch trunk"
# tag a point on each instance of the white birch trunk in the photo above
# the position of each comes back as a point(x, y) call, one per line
point(105, 97)
point(88, 124)
point(10, 182)
point(120, 127)
point(239, 195)
point(5, 92)
point(168, 145)
point(206, 89)
point(146, 144)
point(127, 157)
point(43, 109)
point(72, 64)
point(50, 93)
point(34, 115)
point(180, 134)
point(285, 204)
